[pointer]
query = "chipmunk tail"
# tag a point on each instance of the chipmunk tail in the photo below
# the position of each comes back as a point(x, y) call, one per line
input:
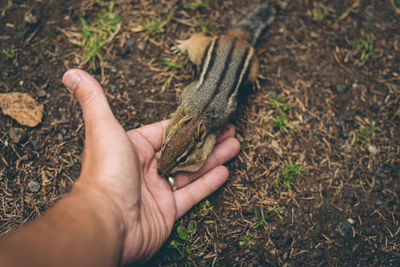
point(254, 23)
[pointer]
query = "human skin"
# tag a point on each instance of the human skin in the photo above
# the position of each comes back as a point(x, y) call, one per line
point(119, 210)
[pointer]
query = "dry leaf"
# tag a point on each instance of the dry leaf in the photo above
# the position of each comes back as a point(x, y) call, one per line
point(22, 107)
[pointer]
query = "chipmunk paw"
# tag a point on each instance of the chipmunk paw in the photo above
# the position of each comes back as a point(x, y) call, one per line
point(181, 46)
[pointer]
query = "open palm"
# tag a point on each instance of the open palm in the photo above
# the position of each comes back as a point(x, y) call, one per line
point(123, 167)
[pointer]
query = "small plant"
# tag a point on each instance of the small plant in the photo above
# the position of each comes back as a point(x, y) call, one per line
point(247, 241)
point(365, 133)
point(9, 53)
point(183, 244)
point(175, 63)
point(198, 4)
point(263, 217)
point(279, 102)
point(243, 142)
point(364, 45)
point(289, 173)
point(320, 13)
point(280, 122)
point(107, 25)
point(157, 26)
point(204, 208)
point(204, 26)
point(5, 7)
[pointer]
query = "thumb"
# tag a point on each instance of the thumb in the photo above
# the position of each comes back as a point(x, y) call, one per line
point(91, 97)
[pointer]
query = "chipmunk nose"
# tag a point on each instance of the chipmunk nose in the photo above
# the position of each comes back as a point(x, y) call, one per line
point(162, 167)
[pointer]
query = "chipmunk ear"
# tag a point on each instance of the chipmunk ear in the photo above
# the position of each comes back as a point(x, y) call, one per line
point(201, 132)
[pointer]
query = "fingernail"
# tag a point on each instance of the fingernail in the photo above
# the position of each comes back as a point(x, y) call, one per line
point(71, 79)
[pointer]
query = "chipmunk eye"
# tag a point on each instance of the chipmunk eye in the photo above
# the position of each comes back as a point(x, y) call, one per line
point(185, 120)
point(183, 157)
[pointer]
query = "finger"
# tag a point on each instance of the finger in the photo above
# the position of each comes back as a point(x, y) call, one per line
point(190, 195)
point(152, 132)
point(222, 153)
point(91, 97)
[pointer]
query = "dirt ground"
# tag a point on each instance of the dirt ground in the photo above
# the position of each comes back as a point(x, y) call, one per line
point(317, 180)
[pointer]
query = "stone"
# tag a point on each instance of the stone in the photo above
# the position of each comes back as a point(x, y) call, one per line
point(30, 18)
point(16, 135)
point(307, 118)
point(343, 229)
point(347, 115)
point(41, 93)
point(372, 149)
point(22, 108)
point(236, 229)
point(339, 88)
point(282, 4)
point(130, 42)
point(336, 121)
point(315, 253)
point(248, 210)
point(33, 186)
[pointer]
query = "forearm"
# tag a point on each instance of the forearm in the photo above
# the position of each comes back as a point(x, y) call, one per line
point(80, 230)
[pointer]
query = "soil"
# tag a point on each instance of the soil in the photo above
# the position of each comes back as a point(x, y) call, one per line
point(343, 210)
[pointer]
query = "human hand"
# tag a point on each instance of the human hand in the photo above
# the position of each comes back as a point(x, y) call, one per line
point(119, 174)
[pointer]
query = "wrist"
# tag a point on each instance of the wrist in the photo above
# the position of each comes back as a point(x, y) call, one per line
point(104, 211)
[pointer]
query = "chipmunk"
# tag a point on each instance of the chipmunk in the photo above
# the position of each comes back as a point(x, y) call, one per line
point(224, 64)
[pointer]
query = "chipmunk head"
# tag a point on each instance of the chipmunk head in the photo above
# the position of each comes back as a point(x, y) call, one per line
point(185, 147)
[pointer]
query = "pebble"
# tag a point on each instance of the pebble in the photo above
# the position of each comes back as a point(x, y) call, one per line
point(221, 245)
point(316, 137)
point(236, 229)
point(248, 210)
point(203, 263)
point(33, 186)
point(132, 82)
point(282, 4)
point(347, 115)
point(339, 88)
point(372, 149)
point(285, 256)
point(130, 42)
point(343, 229)
point(378, 170)
point(317, 229)
point(16, 135)
point(307, 118)
point(350, 221)
point(369, 18)
point(30, 18)
point(344, 134)
point(36, 143)
point(41, 93)
point(64, 131)
point(315, 253)
point(306, 208)
point(336, 121)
